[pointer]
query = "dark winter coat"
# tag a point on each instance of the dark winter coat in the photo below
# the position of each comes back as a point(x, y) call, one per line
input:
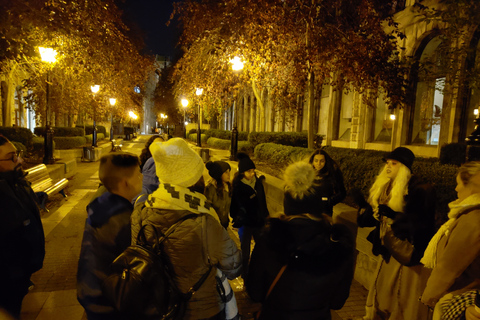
point(329, 190)
point(221, 204)
point(318, 274)
point(415, 224)
point(249, 205)
point(107, 234)
point(22, 241)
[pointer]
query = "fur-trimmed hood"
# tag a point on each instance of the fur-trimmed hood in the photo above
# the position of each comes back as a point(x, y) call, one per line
point(299, 180)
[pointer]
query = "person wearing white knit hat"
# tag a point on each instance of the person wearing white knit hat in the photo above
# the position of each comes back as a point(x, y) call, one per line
point(196, 243)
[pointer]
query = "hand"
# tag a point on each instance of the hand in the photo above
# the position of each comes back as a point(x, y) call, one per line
point(472, 314)
point(386, 211)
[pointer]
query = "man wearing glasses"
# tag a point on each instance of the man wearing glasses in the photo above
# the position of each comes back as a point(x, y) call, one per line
point(22, 241)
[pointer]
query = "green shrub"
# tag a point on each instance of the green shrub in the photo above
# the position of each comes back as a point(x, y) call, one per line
point(294, 139)
point(453, 153)
point(62, 131)
point(280, 155)
point(89, 129)
point(193, 137)
point(37, 146)
point(225, 134)
point(69, 142)
point(89, 137)
point(22, 135)
point(217, 143)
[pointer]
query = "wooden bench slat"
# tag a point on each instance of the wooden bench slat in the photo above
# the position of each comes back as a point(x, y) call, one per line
point(41, 181)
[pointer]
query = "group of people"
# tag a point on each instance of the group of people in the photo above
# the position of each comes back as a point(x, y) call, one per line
point(302, 263)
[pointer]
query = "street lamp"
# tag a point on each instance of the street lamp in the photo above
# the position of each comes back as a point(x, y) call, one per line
point(184, 104)
point(48, 55)
point(237, 65)
point(94, 89)
point(112, 103)
point(133, 116)
point(199, 92)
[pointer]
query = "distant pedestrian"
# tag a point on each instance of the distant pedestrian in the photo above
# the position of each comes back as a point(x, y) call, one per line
point(219, 189)
point(22, 241)
point(150, 180)
point(107, 231)
point(402, 209)
point(329, 186)
point(249, 205)
point(302, 265)
point(454, 251)
point(198, 246)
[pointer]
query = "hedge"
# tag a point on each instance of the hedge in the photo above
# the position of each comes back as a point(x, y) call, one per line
point(360, 167)
point(89, 129)
point(193, 137)
point(89, 137)
point(453, 153)
point(62, 131)
point(294, 139)
point(223, 134)
point(224, 144)
point(69, 142)
point(38, 143)
point(22, 135)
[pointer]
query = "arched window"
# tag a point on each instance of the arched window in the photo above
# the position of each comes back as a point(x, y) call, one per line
point(425, 116)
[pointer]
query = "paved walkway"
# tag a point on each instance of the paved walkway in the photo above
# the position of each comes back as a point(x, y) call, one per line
point(54, 295)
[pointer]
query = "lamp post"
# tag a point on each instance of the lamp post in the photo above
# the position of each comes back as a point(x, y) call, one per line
point(199, 92)
point(112, 103)
point(237, 65)
point(184, 104)
point(94, 89)
point(48, 55)
point(473, 140)
point(133, 116)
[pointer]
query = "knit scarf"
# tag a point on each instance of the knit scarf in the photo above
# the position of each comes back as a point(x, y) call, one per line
point(456, 208)
point(172, 197)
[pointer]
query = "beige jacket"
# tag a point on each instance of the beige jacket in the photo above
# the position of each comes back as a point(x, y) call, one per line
point(458, 259)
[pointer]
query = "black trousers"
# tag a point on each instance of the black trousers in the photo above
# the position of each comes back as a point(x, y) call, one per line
point(12, 294)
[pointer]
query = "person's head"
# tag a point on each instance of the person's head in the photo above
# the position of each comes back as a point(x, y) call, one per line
point(468, 180)
point(176, 163)
point(146, 154)
point(120, 173)
point(322, 162)
point(246, 167)
point(10, 158)
point(299, 178)
point(219, 170)
point(395, 159)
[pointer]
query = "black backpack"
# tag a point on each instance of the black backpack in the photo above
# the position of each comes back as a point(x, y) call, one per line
point(141, 283)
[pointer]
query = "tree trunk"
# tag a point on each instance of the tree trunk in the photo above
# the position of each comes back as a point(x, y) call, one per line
point(260, 105)
point(311, 108)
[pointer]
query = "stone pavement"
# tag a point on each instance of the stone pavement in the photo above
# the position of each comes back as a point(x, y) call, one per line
point(54, 294)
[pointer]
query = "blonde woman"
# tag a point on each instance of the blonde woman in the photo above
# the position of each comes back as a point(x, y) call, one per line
point(402, 210)
point(454, 251)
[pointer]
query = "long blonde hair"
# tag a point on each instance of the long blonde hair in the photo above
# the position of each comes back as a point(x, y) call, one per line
point(398, 192)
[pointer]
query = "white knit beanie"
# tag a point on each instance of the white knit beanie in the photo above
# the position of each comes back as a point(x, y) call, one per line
point(176, 163)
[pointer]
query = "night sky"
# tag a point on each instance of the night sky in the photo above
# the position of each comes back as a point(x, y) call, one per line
point(151, 17)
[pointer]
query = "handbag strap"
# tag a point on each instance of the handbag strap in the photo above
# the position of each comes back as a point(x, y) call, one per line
point(279, 275)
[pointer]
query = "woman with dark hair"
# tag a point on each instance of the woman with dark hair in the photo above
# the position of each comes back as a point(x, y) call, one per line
point(302, 265)
point(219, 189)
point(329, 187)
point(147, 166)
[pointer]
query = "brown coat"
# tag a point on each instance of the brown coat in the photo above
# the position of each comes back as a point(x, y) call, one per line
point(458, 259)
point(188, 248)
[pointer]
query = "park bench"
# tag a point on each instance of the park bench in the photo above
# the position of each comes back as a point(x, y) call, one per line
point(43, 185)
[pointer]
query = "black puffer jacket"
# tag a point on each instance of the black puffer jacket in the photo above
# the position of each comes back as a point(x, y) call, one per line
point(319, 271)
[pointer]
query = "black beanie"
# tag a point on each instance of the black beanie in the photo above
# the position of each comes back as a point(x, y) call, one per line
point(244, 162)
point(403, 155)
point(217, 168)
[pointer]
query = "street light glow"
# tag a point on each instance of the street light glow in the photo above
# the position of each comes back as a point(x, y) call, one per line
point(95, 88)
point(184, 103)
point(113, 101)
point(199, 91)
point(48, 54)
point(237, 64)
point(132, 115)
